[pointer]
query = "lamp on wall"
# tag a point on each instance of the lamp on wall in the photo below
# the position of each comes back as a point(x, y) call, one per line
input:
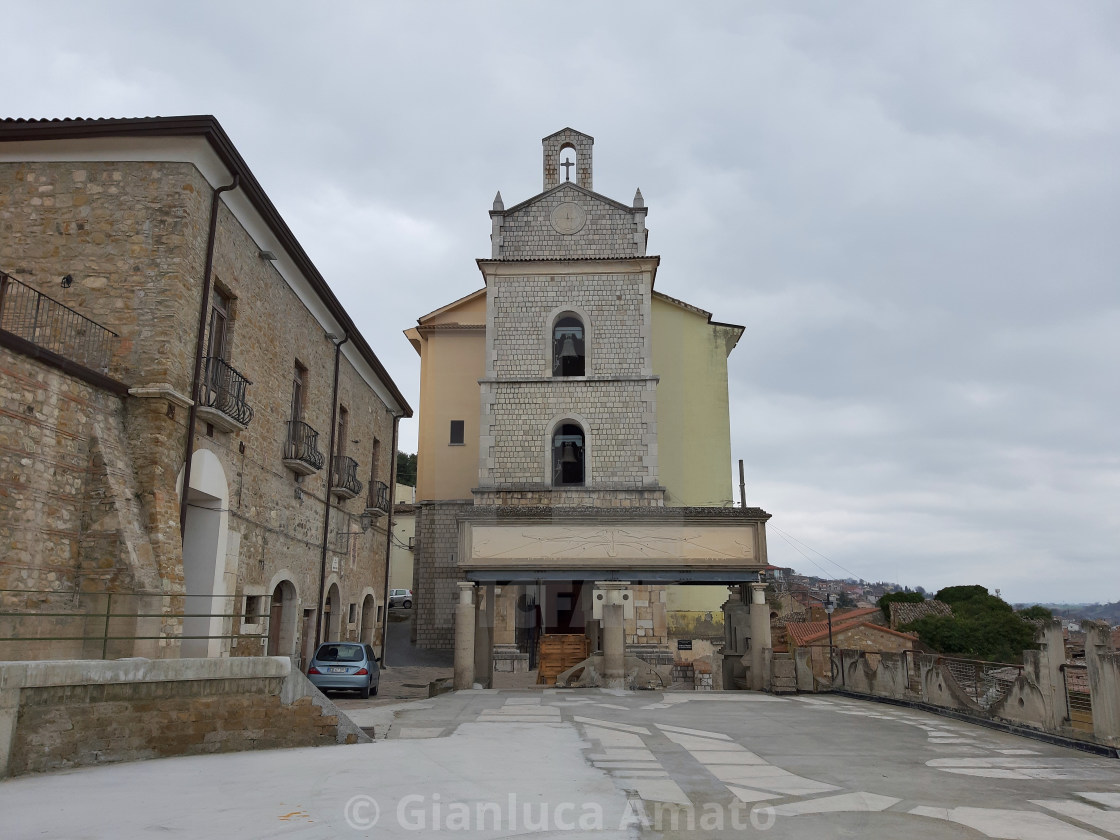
point(366, 521)
point(268, 255)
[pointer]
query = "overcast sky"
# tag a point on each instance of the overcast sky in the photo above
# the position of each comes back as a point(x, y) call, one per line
point(914, 209)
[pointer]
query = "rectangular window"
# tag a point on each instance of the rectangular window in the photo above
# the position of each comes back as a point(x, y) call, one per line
point(252, 609)
point(299, 389)
point(219, 324)
point(374, 458)
point(343, 430)
point(456, 432)
point(353, 613)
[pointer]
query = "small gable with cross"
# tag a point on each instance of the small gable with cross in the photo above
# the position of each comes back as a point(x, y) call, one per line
point(568, 220)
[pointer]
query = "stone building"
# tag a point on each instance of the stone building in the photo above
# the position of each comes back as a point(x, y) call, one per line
point(161, 327)
point(574, 439)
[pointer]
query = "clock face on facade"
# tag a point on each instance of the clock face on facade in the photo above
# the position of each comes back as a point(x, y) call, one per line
point(568, 218)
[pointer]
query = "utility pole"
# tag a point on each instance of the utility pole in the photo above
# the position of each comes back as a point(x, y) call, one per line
point(742, 486)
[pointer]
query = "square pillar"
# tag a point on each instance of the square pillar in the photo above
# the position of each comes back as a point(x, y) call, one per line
point(484, 637)
point(610, 599)
point(464, 636)
point(760, 638)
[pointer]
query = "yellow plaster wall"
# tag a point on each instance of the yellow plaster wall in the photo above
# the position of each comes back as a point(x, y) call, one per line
point(452, 362)
point(693, 414)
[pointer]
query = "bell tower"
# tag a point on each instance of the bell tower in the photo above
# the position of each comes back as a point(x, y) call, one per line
point(567, 157)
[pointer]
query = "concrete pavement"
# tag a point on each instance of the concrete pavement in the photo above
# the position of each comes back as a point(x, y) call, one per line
point(597, 763)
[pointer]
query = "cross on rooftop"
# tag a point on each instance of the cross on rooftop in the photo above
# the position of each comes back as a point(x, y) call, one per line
point(567, 164)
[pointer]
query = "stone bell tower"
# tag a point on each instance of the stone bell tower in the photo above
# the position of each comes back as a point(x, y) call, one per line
point(578, 149)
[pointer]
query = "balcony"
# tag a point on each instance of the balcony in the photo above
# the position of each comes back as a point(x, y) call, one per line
point(377, 502)
point(301, 449)
point(344, 477)
point(58, 329)
point(222, 401)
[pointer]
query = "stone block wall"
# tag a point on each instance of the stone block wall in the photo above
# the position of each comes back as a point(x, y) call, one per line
point(58, 715)
point(619, 420)
point(597, 497)
point(615, 309)
point(610, 229)
point(70, 520)
point(436, 572)
point(133, 235)
point(577, 141)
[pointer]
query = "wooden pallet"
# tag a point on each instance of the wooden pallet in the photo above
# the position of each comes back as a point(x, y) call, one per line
point(559, 652)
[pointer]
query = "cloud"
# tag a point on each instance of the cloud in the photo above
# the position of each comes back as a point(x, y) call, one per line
point(913, 209)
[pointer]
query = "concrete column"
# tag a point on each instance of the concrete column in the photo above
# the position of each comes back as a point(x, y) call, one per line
point(464, 636)
point(484, 637)
point(591, 630)
point(612, 597)
point(1051, 682)
point(1103, 667)
point(760, 637)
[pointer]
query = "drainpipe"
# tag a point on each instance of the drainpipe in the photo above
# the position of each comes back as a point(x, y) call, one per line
point(330, 485)
point(389, 544)
point(192, 416)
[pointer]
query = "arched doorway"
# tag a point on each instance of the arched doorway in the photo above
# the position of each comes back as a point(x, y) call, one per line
point(282, 620)
point(204, 558)
point(332, 615)
point(369, 619)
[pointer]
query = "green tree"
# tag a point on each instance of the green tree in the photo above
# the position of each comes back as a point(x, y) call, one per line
point(406, 468)
point(982, 626)
point(1036, 612)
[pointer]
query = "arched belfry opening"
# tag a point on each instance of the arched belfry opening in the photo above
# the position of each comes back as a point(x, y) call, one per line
point(569, 352)
point(568, 454)
point(569, 161)
point(571, 147)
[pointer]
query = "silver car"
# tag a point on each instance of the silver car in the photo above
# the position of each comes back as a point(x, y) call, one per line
point(400, 598)
point(345, 666)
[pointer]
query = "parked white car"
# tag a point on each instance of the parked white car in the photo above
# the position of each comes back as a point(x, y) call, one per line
point(400, 598)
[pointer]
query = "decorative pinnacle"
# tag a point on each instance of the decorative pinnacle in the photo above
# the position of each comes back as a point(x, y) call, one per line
point(498, 203)
point(638, 200)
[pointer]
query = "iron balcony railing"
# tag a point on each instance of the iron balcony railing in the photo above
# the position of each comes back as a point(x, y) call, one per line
point(378, 498)
point(344, 479)
point(45, 322)
point(303, 445)
point(224, 390)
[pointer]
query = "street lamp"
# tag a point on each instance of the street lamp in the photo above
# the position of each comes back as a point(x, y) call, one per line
point(829, 606)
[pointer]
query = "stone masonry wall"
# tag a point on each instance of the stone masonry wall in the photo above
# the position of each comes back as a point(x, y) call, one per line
point(61, 715)
point(617, 322)
point(619, 419)
point(133, 237)
point(69, 517)
point(582, 146)
point(437, 571)
point(610, 230)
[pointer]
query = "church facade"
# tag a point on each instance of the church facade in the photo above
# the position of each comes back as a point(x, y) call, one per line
point(574, 435)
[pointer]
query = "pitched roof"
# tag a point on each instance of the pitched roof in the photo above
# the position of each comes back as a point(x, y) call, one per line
point(906, 613)
point(813, 632)
point(209, 129)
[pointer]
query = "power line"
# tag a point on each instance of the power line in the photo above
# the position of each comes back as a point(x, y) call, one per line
point(806, 556)
point(789, 537)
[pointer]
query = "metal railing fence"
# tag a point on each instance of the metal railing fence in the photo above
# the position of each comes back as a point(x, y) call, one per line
point(345, 476)
point(224, 390)
point(1079, 700)
point(97, 620)
point(985, 683)
point(302, 444)
point(378, 498)
point(45, 322)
